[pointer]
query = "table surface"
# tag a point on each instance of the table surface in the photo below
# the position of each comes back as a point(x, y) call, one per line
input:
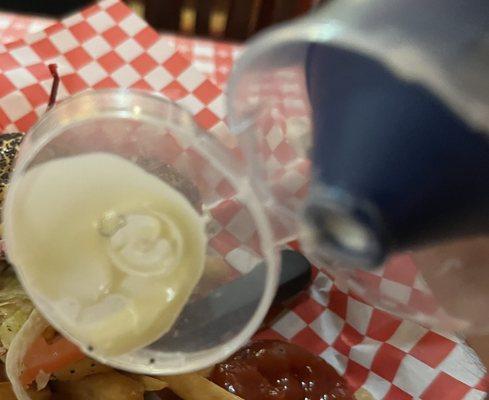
point(213, 58)
point(390, 357)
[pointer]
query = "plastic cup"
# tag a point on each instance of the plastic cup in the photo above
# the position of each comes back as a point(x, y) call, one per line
point(242, 265)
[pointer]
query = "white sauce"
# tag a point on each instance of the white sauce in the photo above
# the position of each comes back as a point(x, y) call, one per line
point(115, 251)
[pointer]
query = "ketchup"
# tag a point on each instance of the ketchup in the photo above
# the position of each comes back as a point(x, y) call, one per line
point(274, 370)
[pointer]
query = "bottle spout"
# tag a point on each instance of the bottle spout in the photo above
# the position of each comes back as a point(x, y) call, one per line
point(338, 227)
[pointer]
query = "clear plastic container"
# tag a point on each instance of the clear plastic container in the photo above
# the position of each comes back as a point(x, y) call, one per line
point(241, 263)
point(298, 87)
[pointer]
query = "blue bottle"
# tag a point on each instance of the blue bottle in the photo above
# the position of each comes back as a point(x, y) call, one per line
point(391, 159)
point(398, 121)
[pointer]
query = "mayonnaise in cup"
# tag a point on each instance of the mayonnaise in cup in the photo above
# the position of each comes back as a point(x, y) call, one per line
point(118, 215)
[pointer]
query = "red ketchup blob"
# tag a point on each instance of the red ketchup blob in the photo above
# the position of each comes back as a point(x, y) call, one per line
point(271, 370)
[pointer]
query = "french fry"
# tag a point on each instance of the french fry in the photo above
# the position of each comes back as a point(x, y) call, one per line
point(362, 394)
point(109, 386)
point(196, 387)
point(215, 273)
point(42, 395)
point(150, 383)
point(205, 372)
point(80, 370)
point(6, 393)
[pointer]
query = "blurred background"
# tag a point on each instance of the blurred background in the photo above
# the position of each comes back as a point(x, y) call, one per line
point(224, 19)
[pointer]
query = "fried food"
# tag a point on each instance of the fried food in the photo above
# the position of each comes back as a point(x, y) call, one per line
point(80, 370)
point(108, 386)
point(150, 383)
point(9, 146)
point(6, 393)
point(196, 387)
point(362, 394)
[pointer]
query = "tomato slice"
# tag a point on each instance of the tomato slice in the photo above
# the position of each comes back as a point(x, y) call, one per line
point(48, 357)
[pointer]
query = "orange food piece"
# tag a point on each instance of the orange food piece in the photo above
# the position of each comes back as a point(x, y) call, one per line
point(48, 357)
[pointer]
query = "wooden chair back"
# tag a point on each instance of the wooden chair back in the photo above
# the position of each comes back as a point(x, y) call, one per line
point(242, 18)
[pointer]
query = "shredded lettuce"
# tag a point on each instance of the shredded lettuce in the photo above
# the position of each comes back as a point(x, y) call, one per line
point(15, 308)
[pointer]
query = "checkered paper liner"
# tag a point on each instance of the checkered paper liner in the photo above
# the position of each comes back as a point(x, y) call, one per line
point(15, 26)
point(107, 45)
point(214, 59)
point(104, 46)
point(284, 140)
point(394, 359)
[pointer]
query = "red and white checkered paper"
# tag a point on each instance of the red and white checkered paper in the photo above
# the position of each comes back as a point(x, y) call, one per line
point(15, 26)
point(212, 58)
point(107, 45)
point(394, 359)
